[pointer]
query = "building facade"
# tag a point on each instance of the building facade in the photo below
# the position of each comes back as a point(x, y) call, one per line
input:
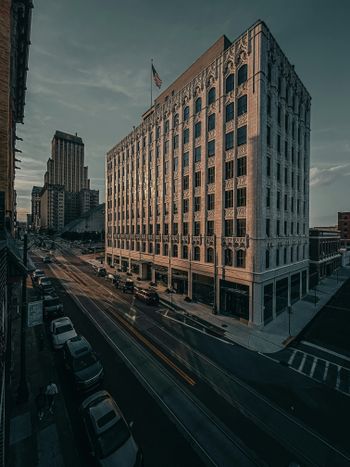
point(325, 255)
point(210, 193)
point(344, 229)
point(52, 206)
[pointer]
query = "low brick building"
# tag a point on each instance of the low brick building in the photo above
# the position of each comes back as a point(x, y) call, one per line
point(325, 257)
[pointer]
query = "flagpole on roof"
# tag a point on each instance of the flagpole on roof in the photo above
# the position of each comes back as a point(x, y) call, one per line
point(151, 80)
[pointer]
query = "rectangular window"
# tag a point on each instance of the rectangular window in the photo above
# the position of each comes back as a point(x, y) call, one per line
point(185, 205)
point(175, 228)
point(242, 105)
point(197, 130)
point(211, 122)
point(241, 197)
point(279, 144)
point(211, 202)
point(277, 257)
point(197, 203)
point(268, 197)
point(285, 202)
point(278, 200)
point(166, 147)
point(229, 112)
point(210, 228)
point(242, 135)
point(268, 135)
point(229, 140)
point(175, 162)
point(241, 166)
point(197, 179)
point(286, 175)
point(196, 228)
point(197, 153)
point(229, 199)
point(268, 227)
point(211, 175)
point(211, 148)
point(241, 227)
point(185, 182)
point(186, 136)
point(185, 159)
point(228, 170)
point(268, 166)
point(278, 172)
point(278, 227)
point(176, 141)
point(185, 228)
point(228, 228)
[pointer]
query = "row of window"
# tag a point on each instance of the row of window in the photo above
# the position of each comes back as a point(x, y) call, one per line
point(296, 253)
point(293, 204)
point(278, 230)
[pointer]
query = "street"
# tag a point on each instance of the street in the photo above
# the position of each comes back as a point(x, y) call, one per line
point(211, 369)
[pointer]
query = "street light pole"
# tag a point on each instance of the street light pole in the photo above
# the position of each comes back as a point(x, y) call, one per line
point(23, 386)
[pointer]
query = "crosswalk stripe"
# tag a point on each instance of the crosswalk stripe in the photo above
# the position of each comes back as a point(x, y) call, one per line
point(302, 363)
point(290, 361)
point(325, 371)
point(314, 363)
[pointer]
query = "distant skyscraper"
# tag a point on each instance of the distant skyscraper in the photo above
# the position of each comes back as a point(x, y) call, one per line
point(66, 168)
point(36, 193)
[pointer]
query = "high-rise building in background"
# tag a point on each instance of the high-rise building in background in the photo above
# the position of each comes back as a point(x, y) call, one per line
point(210, 193)
point(344, 228)
point(65, 168)
point(35, 201)
point(52, 206)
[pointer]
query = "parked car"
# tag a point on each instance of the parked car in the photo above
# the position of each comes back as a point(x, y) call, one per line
point(52, 306)
point(38, 273)
point(44, 280)
point(101, 272)
point(148, 296)
point(125, 285)
point(82, 364)
point(111, 277)
point(46, 259)
point(109, 435)
point(61, 330)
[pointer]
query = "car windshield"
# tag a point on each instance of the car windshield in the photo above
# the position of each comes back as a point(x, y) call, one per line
point(113, 438)
point(84, 361)
point(63, 329)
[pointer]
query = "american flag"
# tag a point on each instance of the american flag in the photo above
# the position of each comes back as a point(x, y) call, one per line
point(156, 78)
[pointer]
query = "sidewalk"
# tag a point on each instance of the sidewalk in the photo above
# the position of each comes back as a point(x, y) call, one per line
point(34, 442)
point(274, 336)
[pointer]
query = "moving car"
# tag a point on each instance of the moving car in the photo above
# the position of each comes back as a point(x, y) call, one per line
point(82, 363)
point(53, 308)
point(126, 285)
point(38, 273)
point(110, 439)
point(61, 330)
point(148, 296)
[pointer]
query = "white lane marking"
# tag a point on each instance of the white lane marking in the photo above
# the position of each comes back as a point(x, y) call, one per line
point(291, 359)
point(302, 363)
point(338, 377)
point(323, 349)
point(268, 356)
point(314, 363)
point(325, 371)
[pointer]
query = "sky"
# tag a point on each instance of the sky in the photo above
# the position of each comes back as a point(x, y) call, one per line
point(89, 72)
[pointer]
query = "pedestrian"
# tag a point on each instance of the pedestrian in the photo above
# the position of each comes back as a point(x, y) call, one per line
point(40, 401)
point(51, 391)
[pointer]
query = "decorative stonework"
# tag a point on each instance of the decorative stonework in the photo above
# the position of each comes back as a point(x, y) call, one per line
point(211, 161)
point(197, 191)
point(211, 188)
point(230, 126)
point(242, 181)
point(229, 213)
point(229, 184)
point(242, 119)
point(197, 215)
point(241, 211)
point(211, 135)
point(197, 166)
point(242, 150)
point(229, 155)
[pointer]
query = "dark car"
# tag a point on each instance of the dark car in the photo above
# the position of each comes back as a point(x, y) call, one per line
point(148, 296)
point(52, 306)
point(101, 272)
point(110, 439)
point(82, 363)
point(125, 285)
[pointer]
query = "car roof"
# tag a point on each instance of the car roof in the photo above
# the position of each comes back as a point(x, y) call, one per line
point(78, 345)
point(104, 414)
point(62, 321)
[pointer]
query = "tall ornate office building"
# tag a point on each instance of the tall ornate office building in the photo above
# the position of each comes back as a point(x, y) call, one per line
point(210, 193)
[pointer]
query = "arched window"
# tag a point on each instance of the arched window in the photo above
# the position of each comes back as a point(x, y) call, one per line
point(210, 255)
point(175, 251)
point(196, 253)
point(198, 105)
point(185, 251)
point(240, 259)
point(230, 83)
point(228, 257)
point(211, 96)
point(176, 119)
point(242, 74)
point(186, 113)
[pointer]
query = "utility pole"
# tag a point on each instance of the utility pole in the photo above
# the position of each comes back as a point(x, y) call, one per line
point(23, 386)
point(214, 311)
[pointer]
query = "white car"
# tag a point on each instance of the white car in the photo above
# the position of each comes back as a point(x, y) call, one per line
point(61, 330)
point(109, 435)
point(38, 273)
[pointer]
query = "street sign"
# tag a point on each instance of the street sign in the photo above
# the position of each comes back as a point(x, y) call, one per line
point(35, 313)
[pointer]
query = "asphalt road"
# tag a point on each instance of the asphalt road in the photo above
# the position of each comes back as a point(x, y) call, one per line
point(268, 377)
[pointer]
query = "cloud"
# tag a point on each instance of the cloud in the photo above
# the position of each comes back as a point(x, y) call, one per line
point(326, 176)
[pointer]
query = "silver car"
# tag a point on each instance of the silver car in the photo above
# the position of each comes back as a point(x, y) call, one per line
point(109, 435)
